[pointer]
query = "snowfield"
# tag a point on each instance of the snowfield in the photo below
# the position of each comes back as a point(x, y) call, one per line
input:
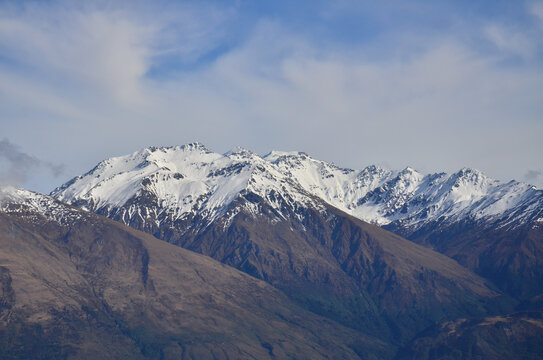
point(190, 179)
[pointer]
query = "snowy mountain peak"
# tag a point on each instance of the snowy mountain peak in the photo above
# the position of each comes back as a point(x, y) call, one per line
point(374, 174)
point(474, 176)
point(373, 169)
point(191, 179)
point(410, 174)
point(9, 193)
point(34, 206)
point(159, 151)
point(182, 181)
point(198, 146)
point(241, 153)
point(408, 170)
point(275, 155)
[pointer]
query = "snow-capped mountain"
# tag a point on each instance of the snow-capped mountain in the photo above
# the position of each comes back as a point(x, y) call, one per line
point(296, 223)
point(410, 198)
point(264, 217)
point(180, 183)
point(188, 180)
point(175, 193)
point(35, 206)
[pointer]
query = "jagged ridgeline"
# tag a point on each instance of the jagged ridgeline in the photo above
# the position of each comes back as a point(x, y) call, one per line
point(302, 225)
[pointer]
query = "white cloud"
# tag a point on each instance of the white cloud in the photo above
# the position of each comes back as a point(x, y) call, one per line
point(106, 51)
point(536, 9)
point(511, 41)
point(445, 106)
point(16, 166)
point(95, 50)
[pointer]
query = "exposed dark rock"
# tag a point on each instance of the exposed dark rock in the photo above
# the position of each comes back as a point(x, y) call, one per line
point(97, 289)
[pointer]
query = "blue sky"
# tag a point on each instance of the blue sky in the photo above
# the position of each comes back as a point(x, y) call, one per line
point(436, 85)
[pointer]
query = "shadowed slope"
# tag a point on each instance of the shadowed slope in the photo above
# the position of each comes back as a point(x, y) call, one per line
point(94, 288)
point(516, 336)
point(341, 267)
point(510, 256)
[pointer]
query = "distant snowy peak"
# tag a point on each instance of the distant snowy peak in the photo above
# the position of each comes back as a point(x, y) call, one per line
point(14, 198)
point(241, 153)
point(191, 179)
point(35, 206)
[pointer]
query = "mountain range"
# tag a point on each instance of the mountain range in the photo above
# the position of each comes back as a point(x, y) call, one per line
point(298, 258)
point(466, 215)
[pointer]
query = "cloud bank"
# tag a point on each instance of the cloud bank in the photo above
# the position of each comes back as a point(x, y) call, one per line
point(16, 166)
point(81, 83)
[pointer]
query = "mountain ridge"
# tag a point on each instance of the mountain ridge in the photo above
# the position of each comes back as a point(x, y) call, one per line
point(247, 212)
point(190, 184)
point(357, 192)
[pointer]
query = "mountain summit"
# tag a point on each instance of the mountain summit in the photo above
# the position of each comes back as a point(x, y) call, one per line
point(294, 222)
point(192, 179)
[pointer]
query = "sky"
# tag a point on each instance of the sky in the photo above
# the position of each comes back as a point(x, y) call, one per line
point(435, 85)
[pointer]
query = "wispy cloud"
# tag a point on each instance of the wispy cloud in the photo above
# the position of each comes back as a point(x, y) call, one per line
point(532, 176)
point(104, 51)
point(105, 80)
point(511, 41)
point(536, 9)
point(16, 166)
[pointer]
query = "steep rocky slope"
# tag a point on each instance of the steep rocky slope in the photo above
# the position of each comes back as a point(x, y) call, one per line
point(76, 285)
point(493, 228)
